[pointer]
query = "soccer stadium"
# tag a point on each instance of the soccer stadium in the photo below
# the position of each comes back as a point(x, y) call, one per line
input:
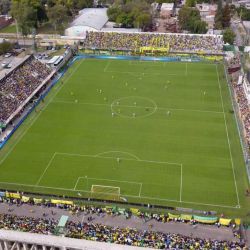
point(137, 140)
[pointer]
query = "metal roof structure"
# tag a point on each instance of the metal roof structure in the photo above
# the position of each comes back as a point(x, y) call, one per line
point(91, 17)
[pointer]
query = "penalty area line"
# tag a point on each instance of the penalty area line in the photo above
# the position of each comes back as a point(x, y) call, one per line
point(132, 196)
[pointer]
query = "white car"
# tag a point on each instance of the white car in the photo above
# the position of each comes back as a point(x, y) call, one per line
point(7, 55)
point(4, 64)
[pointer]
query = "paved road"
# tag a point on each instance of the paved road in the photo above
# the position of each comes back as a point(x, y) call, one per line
point(201, 231)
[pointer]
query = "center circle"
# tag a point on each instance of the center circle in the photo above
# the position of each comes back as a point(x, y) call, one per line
point(133, 107)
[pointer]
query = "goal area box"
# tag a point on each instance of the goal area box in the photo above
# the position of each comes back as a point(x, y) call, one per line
point(105, 192)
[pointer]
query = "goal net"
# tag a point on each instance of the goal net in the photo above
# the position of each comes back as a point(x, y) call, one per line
point(105, 192)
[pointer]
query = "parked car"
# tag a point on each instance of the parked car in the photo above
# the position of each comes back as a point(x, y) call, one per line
point(7, 55)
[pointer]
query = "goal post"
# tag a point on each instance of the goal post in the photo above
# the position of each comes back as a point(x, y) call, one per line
point(105, 192)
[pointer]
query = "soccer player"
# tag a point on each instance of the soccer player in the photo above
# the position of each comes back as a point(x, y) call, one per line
point(168, 113)
point(113, 114)
point(134, 115)
point(135, 103)
point(118, 160)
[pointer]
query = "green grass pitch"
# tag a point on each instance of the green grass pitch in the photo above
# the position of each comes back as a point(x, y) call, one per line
point(160, 133)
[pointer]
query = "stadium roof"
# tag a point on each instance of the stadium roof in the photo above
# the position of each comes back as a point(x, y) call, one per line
point(91, 17)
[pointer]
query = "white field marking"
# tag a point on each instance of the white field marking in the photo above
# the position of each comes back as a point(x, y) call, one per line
point(139, 97)
point(111, 180)
point(135, 62)
point(105, 186)
point(132, 196)
point(181, 185)
point(235, 116)
point(96, 156)
point(36, 117)
point(130, 106)
point(140, 73)
point(45, 170)
point(107, 65)
point(154, 63)
point(186, 73)
point(123, 152)
point(228, 141)
point(140, 190)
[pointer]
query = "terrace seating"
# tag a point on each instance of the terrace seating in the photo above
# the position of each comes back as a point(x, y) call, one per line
point(123, 236)
point(19, 85)
point(182, 43)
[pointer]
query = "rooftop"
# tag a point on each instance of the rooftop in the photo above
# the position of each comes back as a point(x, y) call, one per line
point(91, 17)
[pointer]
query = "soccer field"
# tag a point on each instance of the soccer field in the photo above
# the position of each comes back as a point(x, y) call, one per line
point(153, 132)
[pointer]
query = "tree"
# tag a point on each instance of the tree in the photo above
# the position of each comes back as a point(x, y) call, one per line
point(25, 13)
point(5, 47)
point(81, 4)
point(113, 12)
point(184, 15)
point(228, 36)
point(4, 7)
point(136, 13)
point(218, 16)
point(125, 19)
point(226, 16)
point(190, 3)
point(190, 19)
point(58, 15)
point(143, 20)
point(244, 13)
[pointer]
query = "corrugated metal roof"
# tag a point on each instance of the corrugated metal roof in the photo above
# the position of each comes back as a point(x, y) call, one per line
point(91, 17)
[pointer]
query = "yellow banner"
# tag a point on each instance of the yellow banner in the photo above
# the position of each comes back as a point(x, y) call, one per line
point(173, 216)
point(237, 221)
point(37, 201)
point(134, 210)
point(13, 195)
point(25, 198)
point(225, 222)
point(62, 202)
point(186, 217)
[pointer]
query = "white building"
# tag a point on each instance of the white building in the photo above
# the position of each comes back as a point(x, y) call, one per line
point(207, 12)
point(89, 19)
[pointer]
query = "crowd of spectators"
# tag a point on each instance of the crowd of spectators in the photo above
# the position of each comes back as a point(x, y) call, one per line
point(19, 85)
point(27, 224)
point(234, 64)
point(110, 234)
point(183, 43)
point(240, 96)
point(103, 233)
point(145, 238)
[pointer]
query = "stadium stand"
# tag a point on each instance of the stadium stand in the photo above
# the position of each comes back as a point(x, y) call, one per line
point(82, 224)
point(182, 43)
point(109, 234)
point(234, 67)
point(20, 85)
